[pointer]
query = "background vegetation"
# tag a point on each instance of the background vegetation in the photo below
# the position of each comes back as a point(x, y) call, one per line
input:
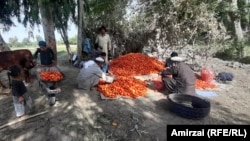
point(205, 28)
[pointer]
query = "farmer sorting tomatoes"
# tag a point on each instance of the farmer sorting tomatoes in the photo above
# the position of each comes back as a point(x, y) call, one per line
point(104, 66)
point(89, 77)
point(179, 78)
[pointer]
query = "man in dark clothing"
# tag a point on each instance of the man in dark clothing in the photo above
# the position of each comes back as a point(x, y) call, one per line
point(168, 63)
point(180, 78)
point(96, 52)
point(46, 54)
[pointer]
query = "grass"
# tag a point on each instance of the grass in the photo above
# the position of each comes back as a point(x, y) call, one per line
point(247, 50)
point(61, 49)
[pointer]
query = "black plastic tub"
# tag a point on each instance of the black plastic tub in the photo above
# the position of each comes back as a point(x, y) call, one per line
point(187, 106)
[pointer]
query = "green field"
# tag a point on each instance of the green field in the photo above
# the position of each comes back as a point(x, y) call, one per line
point(61, 49)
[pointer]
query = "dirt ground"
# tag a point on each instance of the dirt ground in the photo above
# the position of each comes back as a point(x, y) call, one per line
point(83, 116)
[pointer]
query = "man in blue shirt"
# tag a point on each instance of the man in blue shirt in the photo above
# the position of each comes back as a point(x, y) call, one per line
point(86, 47)
point(47, 56)
point(96, 52)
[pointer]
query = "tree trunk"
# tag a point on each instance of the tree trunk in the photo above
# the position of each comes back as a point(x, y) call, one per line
point(48, 25)
point(238, 29)
point(80, 28)
point(3, 45)
point(65, 38)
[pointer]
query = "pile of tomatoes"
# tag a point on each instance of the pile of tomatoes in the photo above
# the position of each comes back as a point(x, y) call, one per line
point(132, 64)
point(123, 86)
point(51, 75)
point(135, 64)
point(124, 68)
point(200, 84)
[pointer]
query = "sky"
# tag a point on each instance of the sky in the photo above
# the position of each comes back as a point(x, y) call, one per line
point(21, 32)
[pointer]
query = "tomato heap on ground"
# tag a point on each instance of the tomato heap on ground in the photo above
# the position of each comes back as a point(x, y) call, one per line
point(135, 64)
point(51, 75)
point(200, 84)
point(124, 68)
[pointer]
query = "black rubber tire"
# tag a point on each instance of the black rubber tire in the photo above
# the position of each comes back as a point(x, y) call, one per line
point(188, 106)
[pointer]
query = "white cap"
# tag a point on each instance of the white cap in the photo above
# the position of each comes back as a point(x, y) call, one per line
point(177, 59)
point(99, 59)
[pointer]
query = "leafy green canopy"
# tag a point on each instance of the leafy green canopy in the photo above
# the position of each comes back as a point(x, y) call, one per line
point(27, 12)
point(9, 9)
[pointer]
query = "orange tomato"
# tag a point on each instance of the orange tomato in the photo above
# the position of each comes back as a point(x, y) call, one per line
point(204, 85)
point(51, 75)
point(135, 64)
point(123, 86)
point(126, 66)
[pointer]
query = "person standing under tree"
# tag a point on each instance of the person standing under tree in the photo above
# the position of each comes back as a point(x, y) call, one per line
point(86, 48)
point(103, 40)
point(47, 56)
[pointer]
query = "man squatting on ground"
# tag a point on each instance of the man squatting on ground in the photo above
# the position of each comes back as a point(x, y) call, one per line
point(89, 77)
point(179, 78)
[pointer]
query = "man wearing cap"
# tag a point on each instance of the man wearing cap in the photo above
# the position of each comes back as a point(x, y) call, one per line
point(47, 56)
point(179, 78)
point(104, 66)
point(89, 77)
point(168, 63)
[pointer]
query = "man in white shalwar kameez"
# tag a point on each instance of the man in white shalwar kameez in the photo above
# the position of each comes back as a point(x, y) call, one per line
point(103, 40)
point(89, 77)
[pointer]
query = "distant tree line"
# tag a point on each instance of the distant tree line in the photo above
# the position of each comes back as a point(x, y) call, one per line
point(27, 42)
